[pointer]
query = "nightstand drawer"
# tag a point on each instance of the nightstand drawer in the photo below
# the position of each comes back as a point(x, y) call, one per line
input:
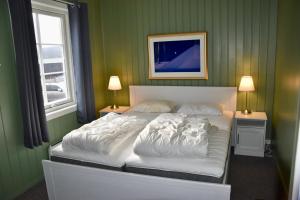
point(252, 123)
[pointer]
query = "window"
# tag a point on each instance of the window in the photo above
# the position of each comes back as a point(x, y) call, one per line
point(55, 59)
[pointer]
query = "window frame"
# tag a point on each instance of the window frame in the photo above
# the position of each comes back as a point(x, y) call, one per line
point(56, 9)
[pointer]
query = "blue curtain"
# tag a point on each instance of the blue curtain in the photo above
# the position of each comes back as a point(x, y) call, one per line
point(78, 15)
point(28, 71)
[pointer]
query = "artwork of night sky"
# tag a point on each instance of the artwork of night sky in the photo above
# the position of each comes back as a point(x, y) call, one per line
point(177, 56)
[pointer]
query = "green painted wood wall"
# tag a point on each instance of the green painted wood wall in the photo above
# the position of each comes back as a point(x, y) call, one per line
point(241, 41)
point(286, 101)
point(99, 80)
point(20, 168)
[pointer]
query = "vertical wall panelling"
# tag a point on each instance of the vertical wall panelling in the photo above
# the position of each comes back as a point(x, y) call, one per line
point(286, 100)
point(261, 91)
point(5, 167)
point(240, 41)
point(224, 42)
point(254, 65)
point(140, 41)
point(135, 47)
point(232, 43)
point(215, 34)
point(209, 29)
point(239, 49)
point(20, 168)
point(271, 63)
point(247, 35)
point(96, 35)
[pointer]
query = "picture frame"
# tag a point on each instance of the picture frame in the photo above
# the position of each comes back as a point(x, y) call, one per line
point(178, 56)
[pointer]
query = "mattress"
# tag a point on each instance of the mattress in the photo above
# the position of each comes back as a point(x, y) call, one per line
point(210, 169)
point(173, 174)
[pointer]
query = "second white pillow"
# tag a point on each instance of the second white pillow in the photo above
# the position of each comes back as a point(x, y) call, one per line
point(154, 106)
point(201, 109)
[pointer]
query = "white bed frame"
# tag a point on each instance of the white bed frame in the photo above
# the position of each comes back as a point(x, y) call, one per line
point(69, 182)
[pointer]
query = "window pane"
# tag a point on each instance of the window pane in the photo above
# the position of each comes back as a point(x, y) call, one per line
point(52, 52)
point(55, 93)
point(55, 82)
point(53, 67)
point(55, 78)
point(56, 87)
point(50, 29)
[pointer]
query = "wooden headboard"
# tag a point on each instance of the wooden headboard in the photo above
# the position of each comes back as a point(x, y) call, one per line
point(225, 96)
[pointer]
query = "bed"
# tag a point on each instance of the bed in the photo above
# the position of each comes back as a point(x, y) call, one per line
point(80, 176)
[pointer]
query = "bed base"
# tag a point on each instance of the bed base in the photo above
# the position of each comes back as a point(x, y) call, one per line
point(69, 182)
point(73, 182)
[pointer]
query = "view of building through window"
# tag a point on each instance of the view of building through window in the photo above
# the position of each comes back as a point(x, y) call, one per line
point(53, 60)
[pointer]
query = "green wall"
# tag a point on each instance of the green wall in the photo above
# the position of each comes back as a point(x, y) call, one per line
point(99, 80)
point(286, 108)
point(20, 168)
point(241, 41)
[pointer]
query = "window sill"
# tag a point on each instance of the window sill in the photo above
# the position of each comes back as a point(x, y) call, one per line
point(61, 112)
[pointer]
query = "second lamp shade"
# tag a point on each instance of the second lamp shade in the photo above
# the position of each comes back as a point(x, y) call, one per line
point(114, 83)
point(246, 84)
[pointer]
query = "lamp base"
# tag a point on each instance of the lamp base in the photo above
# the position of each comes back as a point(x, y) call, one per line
point(247, 112)
point(114, 107)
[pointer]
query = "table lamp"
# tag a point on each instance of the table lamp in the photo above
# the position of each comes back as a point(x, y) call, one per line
point(246, 85)
point(114, 85)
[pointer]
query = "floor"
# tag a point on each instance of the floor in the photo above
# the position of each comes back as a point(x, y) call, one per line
point(254, 178)
point(251, 178)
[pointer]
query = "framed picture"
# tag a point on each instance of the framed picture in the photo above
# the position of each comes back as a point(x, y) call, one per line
point(177, 56)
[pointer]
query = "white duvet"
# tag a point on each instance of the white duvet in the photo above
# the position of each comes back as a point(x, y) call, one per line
point(212, 165)
point(103, 135)
point(174, 135)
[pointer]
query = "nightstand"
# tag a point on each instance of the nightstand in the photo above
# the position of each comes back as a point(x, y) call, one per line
point(250, 133)
point(107, 110)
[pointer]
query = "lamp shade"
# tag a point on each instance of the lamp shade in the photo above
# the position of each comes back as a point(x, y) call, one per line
point(246, 84)
point(114, 83)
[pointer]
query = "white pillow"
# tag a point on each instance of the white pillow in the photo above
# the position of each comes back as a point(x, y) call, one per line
point(154, 106)
point(201, 109)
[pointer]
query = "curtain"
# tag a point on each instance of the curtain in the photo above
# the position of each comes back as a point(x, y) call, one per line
point(28, 72)
point(82, 63)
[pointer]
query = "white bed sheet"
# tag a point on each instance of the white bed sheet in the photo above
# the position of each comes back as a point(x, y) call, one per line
point(213, 165)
